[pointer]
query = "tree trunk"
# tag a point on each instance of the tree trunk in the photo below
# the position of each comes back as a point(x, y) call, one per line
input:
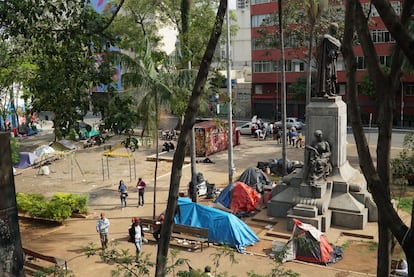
point(378, 179)
point(189, 120)
point(11, 251)
point(156, 157)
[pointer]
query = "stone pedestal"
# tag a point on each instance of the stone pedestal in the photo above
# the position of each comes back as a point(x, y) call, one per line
point(343, 200)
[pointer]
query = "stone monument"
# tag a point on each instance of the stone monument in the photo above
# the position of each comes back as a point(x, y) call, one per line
point(327, 190)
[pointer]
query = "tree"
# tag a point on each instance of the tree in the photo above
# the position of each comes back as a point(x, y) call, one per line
point(16, 72)
point(190, 19)
point(59, 38)
point(386, 85)
point(179, 155)
point(11, 251)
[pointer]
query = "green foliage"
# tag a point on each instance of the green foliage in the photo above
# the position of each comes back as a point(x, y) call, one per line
point(298, 88)
point(60, 207)
point(406, 204)
point(128, 264)
point(402, 166)
point(14, 150)
point(59, 41)
point(120, 113)
point(25, 202)
point(345, 245)
point(367, 87)
point(55, 271)
point(372, 246)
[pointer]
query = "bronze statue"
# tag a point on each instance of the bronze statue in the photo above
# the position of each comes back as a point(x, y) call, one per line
point(327, 56)
point(319, 164)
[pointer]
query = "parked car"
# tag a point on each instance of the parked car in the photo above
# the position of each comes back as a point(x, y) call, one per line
point(245, 129)
point(292, 122)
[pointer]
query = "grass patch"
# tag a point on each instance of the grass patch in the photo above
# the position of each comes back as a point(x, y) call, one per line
point(372, 246)
point(406, 204)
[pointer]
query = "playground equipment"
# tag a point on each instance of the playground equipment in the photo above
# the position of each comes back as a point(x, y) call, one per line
point(112, 152)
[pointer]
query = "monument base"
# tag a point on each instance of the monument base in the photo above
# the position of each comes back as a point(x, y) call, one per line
point(343, 199)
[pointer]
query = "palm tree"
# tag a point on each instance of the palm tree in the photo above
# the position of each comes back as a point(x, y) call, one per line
point(151, 84)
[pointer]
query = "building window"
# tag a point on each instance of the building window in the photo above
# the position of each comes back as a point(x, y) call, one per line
point(264, 66)
point(294, 66)
point(262, 20)
point(380, 36)
point(409, 89)
point(254, 2)
point(293, 41)
point(342, 89)
point(263, 43)
point(385, 60)
point(258, 89)
point(340, 66)
point(361, 63)
point(242, 4)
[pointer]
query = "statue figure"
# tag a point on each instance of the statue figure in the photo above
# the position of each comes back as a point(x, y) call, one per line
point(319, 164)
point(327, 56)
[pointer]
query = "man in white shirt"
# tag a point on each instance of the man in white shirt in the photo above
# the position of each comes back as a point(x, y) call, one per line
point(102, 227)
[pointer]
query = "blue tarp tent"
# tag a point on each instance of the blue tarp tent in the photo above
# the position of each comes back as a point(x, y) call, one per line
point(26, 159)
point(222, 227)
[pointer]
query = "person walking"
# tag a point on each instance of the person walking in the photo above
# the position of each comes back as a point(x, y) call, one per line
point(141, 189)
point(138, 234)
point(123, 193)
point(102, 227)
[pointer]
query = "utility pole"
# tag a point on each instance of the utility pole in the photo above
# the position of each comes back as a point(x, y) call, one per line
point(229, 109)
point(283, 83)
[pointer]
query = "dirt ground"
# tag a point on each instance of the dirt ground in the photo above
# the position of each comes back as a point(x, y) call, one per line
point(89, 171)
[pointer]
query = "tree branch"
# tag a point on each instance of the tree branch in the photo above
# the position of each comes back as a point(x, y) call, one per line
point(114, 14)
point(396, 27)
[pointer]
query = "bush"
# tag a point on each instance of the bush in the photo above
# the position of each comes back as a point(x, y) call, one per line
point(60, 207)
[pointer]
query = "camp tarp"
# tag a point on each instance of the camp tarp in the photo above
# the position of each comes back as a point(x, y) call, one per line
point(239, 197)
point(26, 159)
point(68, 144)
point(222, 227)
point(44, 151)
point(91, 133)
point(310, 245)
point(255, 178)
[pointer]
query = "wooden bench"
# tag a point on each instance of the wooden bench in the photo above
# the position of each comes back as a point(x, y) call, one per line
point(148, 224)
point(31, 255)
point(179, 231)
point(191, 233)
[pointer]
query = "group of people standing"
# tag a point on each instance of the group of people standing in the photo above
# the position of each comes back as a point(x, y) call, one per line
point(295, 138)
point(136, 231)
point(261, 130)
point(123, 192)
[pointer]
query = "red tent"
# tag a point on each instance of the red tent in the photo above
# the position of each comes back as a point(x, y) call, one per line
point(309, 244)
point(239, 197)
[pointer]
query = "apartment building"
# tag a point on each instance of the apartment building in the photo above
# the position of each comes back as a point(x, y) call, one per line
point(266, 73)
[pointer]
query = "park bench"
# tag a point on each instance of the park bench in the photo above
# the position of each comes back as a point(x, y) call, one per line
point(180, 231)
point(32, 256)
point(191, 233)
point(148, 224)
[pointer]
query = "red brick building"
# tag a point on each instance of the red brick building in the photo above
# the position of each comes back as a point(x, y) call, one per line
point(266, 74)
